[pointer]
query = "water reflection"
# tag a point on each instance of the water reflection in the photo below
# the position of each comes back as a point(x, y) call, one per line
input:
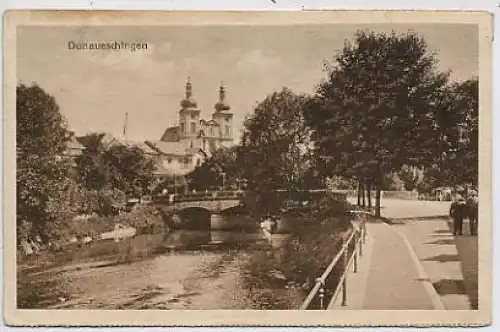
point(146, 271)
point(188, 239)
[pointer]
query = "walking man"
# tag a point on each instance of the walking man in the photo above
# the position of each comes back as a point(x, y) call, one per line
point(458, 211)
point(472, 212)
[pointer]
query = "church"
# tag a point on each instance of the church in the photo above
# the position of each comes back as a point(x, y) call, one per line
point(183, 147)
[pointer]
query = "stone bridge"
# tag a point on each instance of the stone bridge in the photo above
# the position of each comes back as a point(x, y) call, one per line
point(216, 209)
point(213, 201)
point(210, 209)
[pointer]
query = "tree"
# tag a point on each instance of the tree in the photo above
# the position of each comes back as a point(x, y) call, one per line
point(220, 167)
point(119, 167)
point(43, 181)
point(371, 117)
point(131, 169)
point(275, 148)
point(463, 155)
point(94, 171)
point(454, 160)
point(410, 176)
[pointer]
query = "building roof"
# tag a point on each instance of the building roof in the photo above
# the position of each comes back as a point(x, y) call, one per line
point(73, 147)
point(74, 144)
point(162, 171)
point(212, 122)
point(129, 143)
point(173, 148)
point(171, 134)
point(168, 148)
point(109, 140)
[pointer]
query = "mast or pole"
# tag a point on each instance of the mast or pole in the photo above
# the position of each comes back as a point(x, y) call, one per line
point(125, 126)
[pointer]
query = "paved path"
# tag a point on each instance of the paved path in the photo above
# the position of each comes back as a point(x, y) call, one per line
point(388, 278)
point(414, 262)
point(450, 262)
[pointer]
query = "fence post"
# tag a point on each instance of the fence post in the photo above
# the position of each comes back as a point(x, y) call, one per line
point(355, 250)
point(344, 283)
point(321, 293)
point(364, 231)
point(361, 240)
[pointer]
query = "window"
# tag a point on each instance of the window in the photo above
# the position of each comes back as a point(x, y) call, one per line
point(191, 144)
point(211, 130)
point(198, 162)
point(193, 127)
point(187, 161)
point(182, 127)
point(227, 130)
point(193, 116)
point(169, 160)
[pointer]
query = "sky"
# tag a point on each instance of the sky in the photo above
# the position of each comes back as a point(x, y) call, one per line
point(96, 88)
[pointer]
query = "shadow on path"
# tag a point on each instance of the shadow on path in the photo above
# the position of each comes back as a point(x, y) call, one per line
point(443, 258)
point(444, 242)
point(424, 218)
point(467, 254)
point(449, 286)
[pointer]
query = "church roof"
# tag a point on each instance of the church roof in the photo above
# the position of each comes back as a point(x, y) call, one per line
point(188, 102)
point(171, 134)
point(212, 122)
point(128, 143)
point(168, 148)
point(222, 106)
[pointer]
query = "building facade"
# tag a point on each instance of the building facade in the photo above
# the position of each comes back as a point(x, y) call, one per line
point(183, 147)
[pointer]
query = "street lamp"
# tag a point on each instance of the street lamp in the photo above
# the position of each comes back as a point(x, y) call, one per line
point(223, 180)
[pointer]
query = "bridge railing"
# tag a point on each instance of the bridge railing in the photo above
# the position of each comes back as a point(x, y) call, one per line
point(351, 250)
point(234, 194)
point(208, 195)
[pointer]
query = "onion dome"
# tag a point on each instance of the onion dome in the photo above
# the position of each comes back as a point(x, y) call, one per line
point(221, 105)
point(189, 101)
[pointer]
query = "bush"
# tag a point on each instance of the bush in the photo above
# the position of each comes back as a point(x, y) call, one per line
point(145, 218)
point(313, 246)
point(111, 202)
point(84, 201)
point(316, 238)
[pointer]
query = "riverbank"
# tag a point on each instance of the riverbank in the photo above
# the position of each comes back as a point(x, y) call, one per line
point(184, 269)
point(280, 277)
point(86, 232)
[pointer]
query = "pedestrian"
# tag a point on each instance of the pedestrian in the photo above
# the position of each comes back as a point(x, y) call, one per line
point(267, 226)
point(472, 212)
point(458, 212)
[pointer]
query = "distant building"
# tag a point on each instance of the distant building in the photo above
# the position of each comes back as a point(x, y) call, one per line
point(74, 147)
point(183, 147)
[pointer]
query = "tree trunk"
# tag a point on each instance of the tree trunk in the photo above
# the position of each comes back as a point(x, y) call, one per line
point(359, 193)
point(377, 202)
point(369, 192)
point(364, 195)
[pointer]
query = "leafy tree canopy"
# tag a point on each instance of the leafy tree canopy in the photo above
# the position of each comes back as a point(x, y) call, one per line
point(374, 113)
point(43, 179)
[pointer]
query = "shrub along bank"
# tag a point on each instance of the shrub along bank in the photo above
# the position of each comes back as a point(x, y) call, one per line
point(144, 218)
point(281, 278)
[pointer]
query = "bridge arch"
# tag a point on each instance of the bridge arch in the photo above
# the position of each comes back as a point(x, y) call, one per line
point(194, 218)
point(234, 210)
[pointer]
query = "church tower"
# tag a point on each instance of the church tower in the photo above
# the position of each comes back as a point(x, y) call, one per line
point(224, 118)
point(189, 117)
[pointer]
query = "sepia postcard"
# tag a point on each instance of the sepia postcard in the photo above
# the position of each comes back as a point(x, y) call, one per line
point(247, 168)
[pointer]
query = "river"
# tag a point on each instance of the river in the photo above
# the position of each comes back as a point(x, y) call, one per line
point(179, 270)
